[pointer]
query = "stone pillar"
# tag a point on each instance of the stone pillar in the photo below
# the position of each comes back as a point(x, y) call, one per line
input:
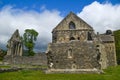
point(18, 49)
point(21, 50)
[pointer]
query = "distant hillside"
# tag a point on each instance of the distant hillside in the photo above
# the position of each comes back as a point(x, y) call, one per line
point(117, 43)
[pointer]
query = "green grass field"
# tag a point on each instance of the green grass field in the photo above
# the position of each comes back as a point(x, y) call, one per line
point(112, 73)
point(5, 66)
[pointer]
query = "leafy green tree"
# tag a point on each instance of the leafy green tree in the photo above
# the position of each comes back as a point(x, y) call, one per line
point(117, 44)
point(2, 54)
point(29, 38)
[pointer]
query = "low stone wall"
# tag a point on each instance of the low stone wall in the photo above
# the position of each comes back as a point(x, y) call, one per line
point(83, 71)
point(17, 69)
point(9, 70)
point(38, 59)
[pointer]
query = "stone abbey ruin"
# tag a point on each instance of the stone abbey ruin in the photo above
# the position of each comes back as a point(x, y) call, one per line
point(15, 53)
point(74, 48)
point(14, 45)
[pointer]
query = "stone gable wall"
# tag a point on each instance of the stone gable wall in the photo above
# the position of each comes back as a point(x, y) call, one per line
point(79, 23)
point(64, 36)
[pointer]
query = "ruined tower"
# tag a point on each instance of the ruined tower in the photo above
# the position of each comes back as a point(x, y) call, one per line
point(15, 47)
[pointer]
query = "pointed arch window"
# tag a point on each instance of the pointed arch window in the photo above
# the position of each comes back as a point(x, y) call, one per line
point(89, 36)
point(71, 25)
point(70, 55)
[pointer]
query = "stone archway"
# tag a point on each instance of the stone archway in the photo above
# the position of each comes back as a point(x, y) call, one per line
point(72, 38)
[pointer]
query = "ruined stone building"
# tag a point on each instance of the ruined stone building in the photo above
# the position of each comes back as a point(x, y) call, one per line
point(76, 47)
point(15, 47)
point(15, 53)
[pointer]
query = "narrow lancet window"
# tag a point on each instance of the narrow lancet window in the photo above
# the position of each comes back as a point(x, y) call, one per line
point(89, 36)
point(70, 53)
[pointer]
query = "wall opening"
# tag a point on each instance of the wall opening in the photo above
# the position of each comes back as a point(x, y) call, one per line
point(89, 36)
point(78, 38)
point(56, 61)
point(70, 55)
point(72, 38)
point(71, 25)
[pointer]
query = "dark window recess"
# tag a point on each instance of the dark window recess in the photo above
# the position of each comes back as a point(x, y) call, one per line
point(98, 56)
point(97, 46)
point(56, 61)
point(72, 38)
point(54, 37)
point(71, 25)
point(89, 36)
point(78, 38)
point(74, 61)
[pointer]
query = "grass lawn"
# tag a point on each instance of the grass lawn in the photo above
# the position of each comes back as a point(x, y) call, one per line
point(112, 73)
point(5, 66)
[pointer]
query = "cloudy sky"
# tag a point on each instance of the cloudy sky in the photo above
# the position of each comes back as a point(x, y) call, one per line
point(44, 15)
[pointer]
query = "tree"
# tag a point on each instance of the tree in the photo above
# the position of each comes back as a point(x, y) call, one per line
point(2, 54)
point(29, 38)
point(117, 44)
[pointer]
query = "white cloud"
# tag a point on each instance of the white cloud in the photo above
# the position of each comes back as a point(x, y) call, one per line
point(101, 16)
point(43, 22)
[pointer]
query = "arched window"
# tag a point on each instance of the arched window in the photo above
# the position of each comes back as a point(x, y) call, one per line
point(72, 38)
point(70, 53)
point(71, 25)
point(89, 36)
point(78, 38)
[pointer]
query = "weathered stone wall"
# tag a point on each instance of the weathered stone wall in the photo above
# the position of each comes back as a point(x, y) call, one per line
point(73, 55)
point(15, 45)
point(103, 56)
point(38, 59)
point(110, 53)
point(75, 46)
point(107, 50)
point(9, 70)
point(66, 35)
